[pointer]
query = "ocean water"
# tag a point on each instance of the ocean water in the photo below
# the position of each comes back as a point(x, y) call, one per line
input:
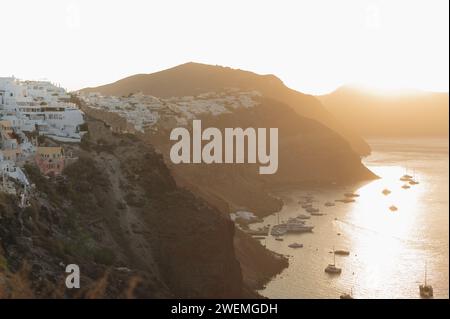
point(389, 251)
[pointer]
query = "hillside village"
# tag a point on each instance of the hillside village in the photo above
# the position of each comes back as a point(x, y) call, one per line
point(30, 111)
point(145, 112)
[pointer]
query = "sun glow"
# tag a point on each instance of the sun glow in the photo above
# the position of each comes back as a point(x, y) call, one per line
point(313, 46)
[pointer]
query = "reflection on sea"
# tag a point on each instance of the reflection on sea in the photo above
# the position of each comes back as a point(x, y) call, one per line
point(388, 249)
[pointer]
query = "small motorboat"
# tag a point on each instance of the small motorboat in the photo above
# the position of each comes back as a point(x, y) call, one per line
point(386, 191)
point(317, 214)
point(295, 245)
point(406, 186)
point(279, 238)
point(351, 195)
point(393, 208)
point(345, 200)
point(406, 178)
point(342, 252)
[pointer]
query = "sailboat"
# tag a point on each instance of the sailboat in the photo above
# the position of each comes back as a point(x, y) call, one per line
point(347, 295)
point(426, 291)
point(406, 177)
point(414, 181)
point(331, 268)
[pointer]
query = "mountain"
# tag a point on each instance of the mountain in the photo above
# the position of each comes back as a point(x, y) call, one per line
point(118, 214)
point(408, 113)
point(309, 153)
point(191, 79)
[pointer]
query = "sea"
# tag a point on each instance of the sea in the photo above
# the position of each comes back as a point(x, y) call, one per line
point(391, 252)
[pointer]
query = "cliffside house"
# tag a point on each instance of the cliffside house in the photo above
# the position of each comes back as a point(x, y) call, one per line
point(50, 160)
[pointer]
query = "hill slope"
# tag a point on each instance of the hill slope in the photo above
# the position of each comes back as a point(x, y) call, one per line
point(118, 214)
point(191, 79)
point(406, 114)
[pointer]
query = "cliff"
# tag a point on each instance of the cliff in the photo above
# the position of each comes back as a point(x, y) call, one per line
point(117, 213)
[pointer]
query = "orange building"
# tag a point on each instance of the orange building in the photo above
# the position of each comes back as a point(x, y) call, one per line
point(50, 160)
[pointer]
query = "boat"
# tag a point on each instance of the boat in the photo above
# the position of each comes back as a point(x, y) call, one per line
point(406, 177)
point(259, 237)
point(329, 204)
point(295, 245)
point(331, 268)
point(393, 208)
point(406, 186)
point(295, 220)
point(351, 195)
point(291, 226)
point(264, 231)
point(426, 291)
point(413, 181)
point(298, 228)
point(317, 214)
point(345, 200)
point(278, 230)
point(347, 295)
point(342, 252)
point(386, 191)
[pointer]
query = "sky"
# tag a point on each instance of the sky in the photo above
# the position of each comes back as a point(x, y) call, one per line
point(313, 46)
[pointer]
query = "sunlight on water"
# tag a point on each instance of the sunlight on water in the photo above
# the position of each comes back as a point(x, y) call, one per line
point(388, 249)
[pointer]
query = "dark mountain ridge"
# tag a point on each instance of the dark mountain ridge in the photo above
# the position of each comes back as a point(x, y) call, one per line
point(191, 79)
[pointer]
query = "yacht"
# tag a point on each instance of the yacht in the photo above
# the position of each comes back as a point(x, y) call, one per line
point(426, 291)
point(386, 191)
point(331, 268)
point(290, 227)
point(278, 230)
point(298, 228)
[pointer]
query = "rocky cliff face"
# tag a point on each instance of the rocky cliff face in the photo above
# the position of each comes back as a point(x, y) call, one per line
point(118, 214)
point(310, 154)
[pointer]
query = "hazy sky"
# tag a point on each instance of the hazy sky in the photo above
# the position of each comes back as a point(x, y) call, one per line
point(313, 46)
